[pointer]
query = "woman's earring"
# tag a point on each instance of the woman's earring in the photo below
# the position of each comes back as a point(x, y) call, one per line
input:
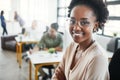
point(94, 30)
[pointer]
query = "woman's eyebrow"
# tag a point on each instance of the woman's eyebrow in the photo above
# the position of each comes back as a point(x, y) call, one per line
point(79, 19)
point(83, 18)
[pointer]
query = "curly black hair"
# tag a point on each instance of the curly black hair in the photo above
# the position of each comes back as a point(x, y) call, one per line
point(98, 6)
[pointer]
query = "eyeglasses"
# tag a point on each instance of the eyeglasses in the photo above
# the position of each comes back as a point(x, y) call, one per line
point(82, 23)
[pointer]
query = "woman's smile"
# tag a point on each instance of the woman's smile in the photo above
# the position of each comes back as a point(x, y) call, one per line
point(77, 34)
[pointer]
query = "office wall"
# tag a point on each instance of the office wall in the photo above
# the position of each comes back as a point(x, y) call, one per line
point(44, 11)
point(41, 10)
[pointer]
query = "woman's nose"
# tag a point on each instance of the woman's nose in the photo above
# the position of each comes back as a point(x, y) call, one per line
point(77, 27)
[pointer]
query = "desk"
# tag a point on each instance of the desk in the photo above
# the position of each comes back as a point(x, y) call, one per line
point(19, 44)
point(42, 58)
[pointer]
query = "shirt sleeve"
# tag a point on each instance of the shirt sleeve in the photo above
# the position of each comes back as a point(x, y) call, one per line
point(42, 42)
point(98, 69)
point(61, 41)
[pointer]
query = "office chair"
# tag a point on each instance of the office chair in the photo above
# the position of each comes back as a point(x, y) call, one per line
point(114, 66)
point(113, 44)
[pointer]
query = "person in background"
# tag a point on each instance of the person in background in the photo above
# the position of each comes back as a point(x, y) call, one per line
point(20, 20)
point(84, 59)
point(31, 32)
point(50, 40)
point(3, 23)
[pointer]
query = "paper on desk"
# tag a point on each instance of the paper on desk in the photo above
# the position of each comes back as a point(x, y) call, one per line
point(45, 57)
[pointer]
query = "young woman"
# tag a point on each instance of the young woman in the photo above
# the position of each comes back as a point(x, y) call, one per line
point(3, 23)
point(84, 59)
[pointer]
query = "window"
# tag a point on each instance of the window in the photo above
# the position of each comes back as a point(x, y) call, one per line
point(62, 21)
point(112, 27)
point(61, 3)
point(114, 10)
point(62, 12)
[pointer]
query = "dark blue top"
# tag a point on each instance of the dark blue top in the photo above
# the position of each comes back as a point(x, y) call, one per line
point(3, 24)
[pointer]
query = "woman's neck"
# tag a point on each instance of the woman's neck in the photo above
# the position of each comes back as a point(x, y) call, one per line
point(84, 45)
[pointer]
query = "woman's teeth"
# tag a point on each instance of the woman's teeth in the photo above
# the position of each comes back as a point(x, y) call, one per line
point(78, 34)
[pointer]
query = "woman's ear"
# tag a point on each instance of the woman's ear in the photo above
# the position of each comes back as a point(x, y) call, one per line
point(95, 29)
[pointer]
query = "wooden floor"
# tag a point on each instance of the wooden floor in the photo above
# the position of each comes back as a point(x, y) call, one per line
point(9, 69)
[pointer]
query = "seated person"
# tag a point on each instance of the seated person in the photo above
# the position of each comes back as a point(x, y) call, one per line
point(50, 39)
point(31, 32)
